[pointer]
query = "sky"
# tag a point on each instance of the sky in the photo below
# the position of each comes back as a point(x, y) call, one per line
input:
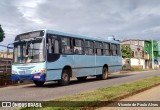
point(123, 19)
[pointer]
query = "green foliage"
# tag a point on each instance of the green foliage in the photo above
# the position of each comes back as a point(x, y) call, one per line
point(2, 35)
point(126, 52)
point(137, 68)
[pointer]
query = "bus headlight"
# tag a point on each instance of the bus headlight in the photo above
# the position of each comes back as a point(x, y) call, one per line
point(36, 71)
point(43, 70)
point(14, 72)
point(39, 71)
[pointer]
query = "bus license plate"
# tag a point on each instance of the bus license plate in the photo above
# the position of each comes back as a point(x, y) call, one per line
point(36, 76)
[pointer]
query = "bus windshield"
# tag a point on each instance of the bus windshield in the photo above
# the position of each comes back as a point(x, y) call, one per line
point(29, 51)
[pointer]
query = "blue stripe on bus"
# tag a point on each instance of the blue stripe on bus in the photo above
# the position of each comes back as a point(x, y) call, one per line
point(84, 67)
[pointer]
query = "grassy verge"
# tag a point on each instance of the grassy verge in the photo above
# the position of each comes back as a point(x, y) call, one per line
point(108, 93)
point(134, 68)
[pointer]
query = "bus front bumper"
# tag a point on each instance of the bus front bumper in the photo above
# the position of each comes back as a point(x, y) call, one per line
point(28, 77)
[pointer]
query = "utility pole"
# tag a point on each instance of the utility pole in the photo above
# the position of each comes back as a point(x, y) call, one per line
point(152, 56)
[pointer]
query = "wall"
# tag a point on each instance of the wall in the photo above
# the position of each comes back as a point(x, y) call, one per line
point(159, 47)
point(5, 55)
point(148, 48)
point(128, 63)
point(137, 62)
point(155, 49)
point(137, 47)
point(159, 52)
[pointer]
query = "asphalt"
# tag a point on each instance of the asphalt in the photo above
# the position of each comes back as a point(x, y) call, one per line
point(52, 91)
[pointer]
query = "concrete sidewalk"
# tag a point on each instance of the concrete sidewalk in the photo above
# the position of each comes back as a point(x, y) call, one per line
point(152, 94)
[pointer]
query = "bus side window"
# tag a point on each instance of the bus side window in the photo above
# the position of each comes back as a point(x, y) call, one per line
point(49, 45)
point(89, 47)
point(56, 46)
point(119, 50)
point(114, 49)
point(52, 45)
point(98, 48)
point(66, 46)
point(106, 49)
point(78, 46)
point(110, 50)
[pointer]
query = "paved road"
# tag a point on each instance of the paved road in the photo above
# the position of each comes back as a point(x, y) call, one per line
point(148, 95)
point(52, 91)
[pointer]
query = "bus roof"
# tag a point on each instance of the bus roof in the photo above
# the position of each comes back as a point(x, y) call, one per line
point(80, 36)
point(76, 36)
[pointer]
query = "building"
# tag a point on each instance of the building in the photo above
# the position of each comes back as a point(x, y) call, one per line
point(5, 54)
point(148, 54)
point(159, 52)
point(142, 52)
point(155, 52)
point(6, 59)
point(5, 66)
point(137, 47)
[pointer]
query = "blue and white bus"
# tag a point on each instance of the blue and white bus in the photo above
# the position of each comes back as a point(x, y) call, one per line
point(48, 55)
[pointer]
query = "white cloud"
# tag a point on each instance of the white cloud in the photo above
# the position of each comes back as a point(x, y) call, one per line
point(28, 9)
point(122, 18)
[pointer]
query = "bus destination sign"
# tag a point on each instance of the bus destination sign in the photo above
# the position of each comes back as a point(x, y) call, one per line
point(29, 35)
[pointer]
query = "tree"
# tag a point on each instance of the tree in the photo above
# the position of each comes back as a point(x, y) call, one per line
point(2, 34)
point(126, 51)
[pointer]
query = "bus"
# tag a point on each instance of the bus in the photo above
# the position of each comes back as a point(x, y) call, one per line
point(48, 55)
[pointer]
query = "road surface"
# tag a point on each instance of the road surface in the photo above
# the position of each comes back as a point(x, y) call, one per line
point(52, 91)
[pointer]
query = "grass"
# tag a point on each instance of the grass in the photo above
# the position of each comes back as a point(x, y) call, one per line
point(85, 99)
point(137, 68)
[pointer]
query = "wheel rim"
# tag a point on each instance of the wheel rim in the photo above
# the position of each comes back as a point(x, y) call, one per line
point(65, 77)
point(105, 73)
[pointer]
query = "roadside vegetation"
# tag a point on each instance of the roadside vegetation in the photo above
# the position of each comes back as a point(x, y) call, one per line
point(102, 94)
point(2, 34)
point(126, 52)
point(137, 68)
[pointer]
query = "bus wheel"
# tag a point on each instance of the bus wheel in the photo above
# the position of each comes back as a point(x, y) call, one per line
point(65, 78)
point(38, 83)
point(82, 78)
point(104, 74)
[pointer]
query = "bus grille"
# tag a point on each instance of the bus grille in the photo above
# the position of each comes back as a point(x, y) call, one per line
point(25, 72)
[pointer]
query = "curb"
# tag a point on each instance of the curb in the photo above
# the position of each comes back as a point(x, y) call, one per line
point(117, 98)
point(120, 97)
point(129, 71)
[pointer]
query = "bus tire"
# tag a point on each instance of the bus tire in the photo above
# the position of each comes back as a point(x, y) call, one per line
point(104, 74)
point(82, 78)
point(65, 78)
point(39, 83)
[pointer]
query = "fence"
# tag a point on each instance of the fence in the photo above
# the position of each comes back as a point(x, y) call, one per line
point(5, 72)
